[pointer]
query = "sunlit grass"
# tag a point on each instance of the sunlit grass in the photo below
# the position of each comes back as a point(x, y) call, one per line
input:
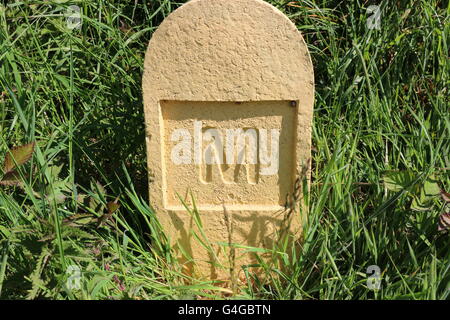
point(381, 104)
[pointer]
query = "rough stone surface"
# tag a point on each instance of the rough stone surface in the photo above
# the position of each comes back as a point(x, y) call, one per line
point(228, 64)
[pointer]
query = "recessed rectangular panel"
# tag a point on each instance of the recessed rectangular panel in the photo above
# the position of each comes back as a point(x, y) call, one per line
point(238, 153)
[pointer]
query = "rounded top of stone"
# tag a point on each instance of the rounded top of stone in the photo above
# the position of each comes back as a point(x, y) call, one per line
point(227, 50)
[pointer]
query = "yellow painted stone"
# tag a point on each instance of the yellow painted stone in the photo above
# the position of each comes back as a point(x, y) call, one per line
point(228, 96)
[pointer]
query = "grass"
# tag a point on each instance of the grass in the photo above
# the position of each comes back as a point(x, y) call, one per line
point(381, 105)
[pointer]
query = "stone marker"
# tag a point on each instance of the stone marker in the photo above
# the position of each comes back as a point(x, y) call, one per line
point(228, 97)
